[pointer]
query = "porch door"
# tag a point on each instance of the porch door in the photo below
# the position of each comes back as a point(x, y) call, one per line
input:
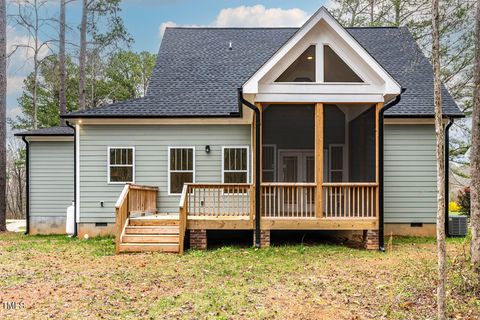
point(296, 166)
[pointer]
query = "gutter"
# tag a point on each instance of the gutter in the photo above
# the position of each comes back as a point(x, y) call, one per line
point(242, 101)
point(447, 173)
point(381, 191)
point(74, 176)
point(27, 185)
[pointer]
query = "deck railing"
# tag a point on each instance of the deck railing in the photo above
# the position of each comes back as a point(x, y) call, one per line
point(133, 199)
point(219, 200)
point(282, 200)
point(350, 200)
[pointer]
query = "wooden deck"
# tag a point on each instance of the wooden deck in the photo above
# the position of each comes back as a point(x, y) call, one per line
point(345, 206)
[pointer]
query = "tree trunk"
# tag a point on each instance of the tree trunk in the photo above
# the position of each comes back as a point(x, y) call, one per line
point(397, 12)
point(83, 56)
point(372, 12)
point(61, 58)
point(35, 69)
point(440, 152)
point(3, 120)
point(475, 153)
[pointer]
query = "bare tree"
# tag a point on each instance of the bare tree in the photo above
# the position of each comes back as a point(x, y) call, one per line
point(440, 151)
point(29, 18)
point(83, 55)
point(3, 113)
point(475, 153)
point(61, 58)
point(15, 179)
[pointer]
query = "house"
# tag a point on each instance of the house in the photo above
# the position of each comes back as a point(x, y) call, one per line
point(314, 128)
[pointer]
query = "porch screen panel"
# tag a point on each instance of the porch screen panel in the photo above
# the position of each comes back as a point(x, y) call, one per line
point(181, 168)
point(362, 148)
point(288, 143)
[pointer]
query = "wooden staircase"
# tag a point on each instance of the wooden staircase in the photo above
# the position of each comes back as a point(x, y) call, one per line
point(151, 233)
point(148, 231)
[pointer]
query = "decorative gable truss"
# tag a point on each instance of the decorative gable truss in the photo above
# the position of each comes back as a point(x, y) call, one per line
point(322, 62)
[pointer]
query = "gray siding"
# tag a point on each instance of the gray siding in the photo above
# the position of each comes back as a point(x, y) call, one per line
point(410, 174)
point(151, 144)
point(51, 178)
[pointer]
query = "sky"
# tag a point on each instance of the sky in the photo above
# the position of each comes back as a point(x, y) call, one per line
point(146, 20)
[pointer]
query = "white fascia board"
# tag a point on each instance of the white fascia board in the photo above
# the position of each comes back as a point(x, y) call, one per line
point(313, 98)
point(324, 88)
point(50, 138)
point(391, 85)
point(251, 86)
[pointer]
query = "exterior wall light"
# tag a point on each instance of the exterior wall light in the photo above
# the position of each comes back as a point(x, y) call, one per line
point(207, 149)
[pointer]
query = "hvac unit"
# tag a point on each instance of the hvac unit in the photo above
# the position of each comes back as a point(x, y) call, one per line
point(457, 226)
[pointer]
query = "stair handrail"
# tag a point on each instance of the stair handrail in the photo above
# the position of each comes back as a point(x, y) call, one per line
point(182, 215)
point(132, 199)
point(121, 215)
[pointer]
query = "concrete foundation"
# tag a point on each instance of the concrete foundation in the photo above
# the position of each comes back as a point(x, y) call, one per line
point(47, 225)
point(407, 229)
point(92, 230)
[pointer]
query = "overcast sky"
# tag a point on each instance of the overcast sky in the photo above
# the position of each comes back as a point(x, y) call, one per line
point(146, 21)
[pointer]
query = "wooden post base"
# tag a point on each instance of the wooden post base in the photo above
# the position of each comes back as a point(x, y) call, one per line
point(264, 238)
point(371, 239)
point(198, 239)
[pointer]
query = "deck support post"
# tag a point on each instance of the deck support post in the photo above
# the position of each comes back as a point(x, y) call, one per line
point(319, 159)
point(198, 239)
point(371, 239)
point(264, 238)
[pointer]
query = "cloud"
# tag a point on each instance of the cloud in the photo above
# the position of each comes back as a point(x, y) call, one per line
point(21, 57)
point(14, 84)
point(259, 16)
point(254, 16)
point(171, 24)
point(14, 112)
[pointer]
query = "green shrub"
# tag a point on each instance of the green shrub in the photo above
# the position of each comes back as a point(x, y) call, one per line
point(464, 201)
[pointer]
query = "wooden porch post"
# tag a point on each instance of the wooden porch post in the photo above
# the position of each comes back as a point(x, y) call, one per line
point(319, 159)
point(378, 107)
point(254, 160)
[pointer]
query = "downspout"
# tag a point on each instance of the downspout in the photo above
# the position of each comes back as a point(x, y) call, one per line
point(381, 191)
point(74, 176)
point(242, 101)
point(447, 172)
point(27, 185)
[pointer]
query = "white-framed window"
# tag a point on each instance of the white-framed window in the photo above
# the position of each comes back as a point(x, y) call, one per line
point(181, 168)
point(121, 165)
point(235, 164)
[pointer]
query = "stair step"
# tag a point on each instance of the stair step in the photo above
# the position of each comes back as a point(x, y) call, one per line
point(150, 238)
point(149, 247)
point(154, 222)
point(151, 230)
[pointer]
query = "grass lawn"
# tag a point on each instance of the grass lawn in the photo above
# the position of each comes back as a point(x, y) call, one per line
point(56, 277)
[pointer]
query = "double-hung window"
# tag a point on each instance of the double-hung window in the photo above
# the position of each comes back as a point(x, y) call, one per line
point(121, 165)
point(181, 168)
point(235, 165)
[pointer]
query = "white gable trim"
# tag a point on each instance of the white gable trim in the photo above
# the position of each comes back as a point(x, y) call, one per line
point(251, 86)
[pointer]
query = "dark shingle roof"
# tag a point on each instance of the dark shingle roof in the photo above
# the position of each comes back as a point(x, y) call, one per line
point(197, 75)
point(52, 131)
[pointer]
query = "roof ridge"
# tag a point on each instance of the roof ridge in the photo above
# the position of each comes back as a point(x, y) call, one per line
point(274, 28)
point(230, 28)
